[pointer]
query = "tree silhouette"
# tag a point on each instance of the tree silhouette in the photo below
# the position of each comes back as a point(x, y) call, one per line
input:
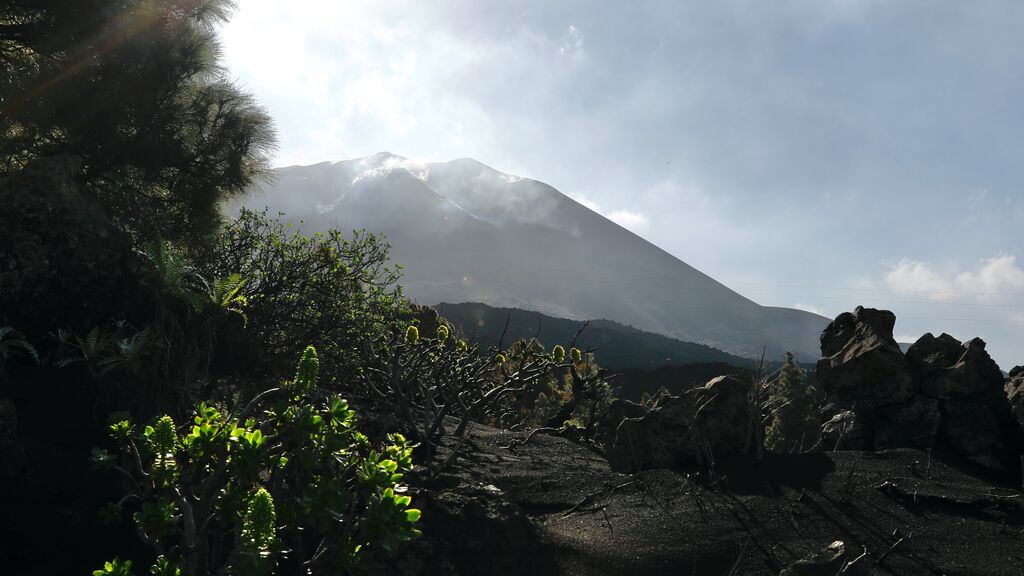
point(133, 89)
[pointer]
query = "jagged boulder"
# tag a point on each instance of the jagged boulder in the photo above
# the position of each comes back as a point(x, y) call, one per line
point(942, 391)
point(948, 369)
point(861, 363)
point(724, 419)
point(618, 411)
point(968, 384)
point(661, 438)
point(1014, 390)
point(680, 430)
point(911, 424)
point(981, 430)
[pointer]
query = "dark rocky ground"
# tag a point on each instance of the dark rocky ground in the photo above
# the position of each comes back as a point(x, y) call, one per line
point(553, 506)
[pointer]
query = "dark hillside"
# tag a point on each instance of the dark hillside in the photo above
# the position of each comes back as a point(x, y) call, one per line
point(618, 346)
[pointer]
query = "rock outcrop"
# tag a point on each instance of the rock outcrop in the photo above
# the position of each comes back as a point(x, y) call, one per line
point(861, 363)
point(682, 431)
point(1014, 389)
point(942, 391)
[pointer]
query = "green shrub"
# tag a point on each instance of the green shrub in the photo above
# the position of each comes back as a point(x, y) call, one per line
point(64, 264)
point(13, 345)
point(159, 367)
point(429, 381)
point(334, 292)
point(793, 402)
point(285, 478)
point(115, 567)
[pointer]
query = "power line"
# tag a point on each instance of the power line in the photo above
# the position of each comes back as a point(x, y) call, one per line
point(676, 281)
point(888, 290)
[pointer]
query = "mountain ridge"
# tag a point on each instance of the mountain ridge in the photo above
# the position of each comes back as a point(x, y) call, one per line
point(618, 345)
point(465, 232)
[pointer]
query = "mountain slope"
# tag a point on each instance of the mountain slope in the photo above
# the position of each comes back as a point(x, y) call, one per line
point(465, 232)
point(618, 346)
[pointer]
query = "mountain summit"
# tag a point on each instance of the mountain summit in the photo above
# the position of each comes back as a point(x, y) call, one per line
point(465, 232)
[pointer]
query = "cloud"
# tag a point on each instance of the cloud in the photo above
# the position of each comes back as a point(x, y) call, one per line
point(572, 43)
point(916, 277)
point(586, 202)
point(992, 278)
point(810, 308)
point(628, 219)
point(996, 276)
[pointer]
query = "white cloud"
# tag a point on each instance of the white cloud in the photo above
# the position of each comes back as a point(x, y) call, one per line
point(993, 277)
point(628, 219)
point(572, 43)
point(916, 277)
point(996, 276)
point(586, 202)
point(810, 308)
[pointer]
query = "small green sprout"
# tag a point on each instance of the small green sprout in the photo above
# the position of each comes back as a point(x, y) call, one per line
point(308, 372)
point(115, 567)
point(558, 354)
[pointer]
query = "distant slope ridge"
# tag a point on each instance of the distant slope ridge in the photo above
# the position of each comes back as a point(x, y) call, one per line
point(465, 232)
point(618, 346)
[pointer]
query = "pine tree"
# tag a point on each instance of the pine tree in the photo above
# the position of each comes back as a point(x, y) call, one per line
point(794, 400)
point(133, 89)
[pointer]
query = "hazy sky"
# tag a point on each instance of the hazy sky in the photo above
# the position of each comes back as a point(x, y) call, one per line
point(809, 153)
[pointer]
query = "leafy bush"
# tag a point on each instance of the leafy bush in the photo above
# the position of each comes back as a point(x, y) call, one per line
point(586, 394)
point(115, 567)
point(794, 402)
point(159, 367)
point(13, 344)
point(428, 380)
point(64, 262)
point(284, 479)
point(334, 292)
point(574, 393)
point(431, 380)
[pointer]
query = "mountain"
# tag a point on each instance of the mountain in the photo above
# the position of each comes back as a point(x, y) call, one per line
point(617, 346)
point(465, 232)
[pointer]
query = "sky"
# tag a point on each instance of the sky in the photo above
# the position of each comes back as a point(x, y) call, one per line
point(806, 153)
